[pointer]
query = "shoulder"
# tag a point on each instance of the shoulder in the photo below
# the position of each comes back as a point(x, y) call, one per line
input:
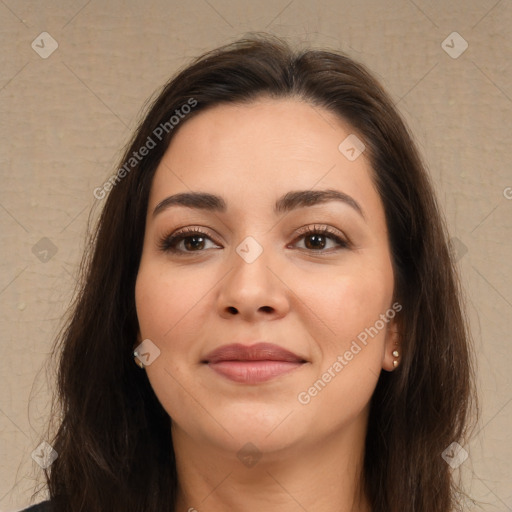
point(40, 507)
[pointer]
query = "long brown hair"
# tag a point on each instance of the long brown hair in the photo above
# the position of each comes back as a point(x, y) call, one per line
point(113, 437)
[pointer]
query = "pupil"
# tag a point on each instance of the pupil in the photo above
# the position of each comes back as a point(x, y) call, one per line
point(199, 242)
point(317, 240)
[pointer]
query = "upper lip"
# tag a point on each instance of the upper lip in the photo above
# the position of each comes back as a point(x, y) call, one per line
point(255, 352)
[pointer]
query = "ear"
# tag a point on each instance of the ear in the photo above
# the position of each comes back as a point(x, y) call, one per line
point(392, 347)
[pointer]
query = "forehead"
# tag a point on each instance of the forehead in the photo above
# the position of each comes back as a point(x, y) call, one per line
point(263, 148)
point(289, 128)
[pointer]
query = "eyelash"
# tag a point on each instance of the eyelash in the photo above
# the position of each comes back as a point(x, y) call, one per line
point(168, 243)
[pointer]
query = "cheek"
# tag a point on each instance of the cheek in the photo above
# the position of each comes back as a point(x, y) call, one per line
point(166, 312)
point(348, 312)
point(345, 304)
point(164, 300)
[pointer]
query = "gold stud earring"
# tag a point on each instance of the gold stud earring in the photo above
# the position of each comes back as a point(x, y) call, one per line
point(395, 361)
point(138, 362)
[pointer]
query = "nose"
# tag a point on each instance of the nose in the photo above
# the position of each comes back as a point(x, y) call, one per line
point(253, 289)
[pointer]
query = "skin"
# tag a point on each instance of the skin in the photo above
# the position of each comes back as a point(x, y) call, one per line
point(312, 304)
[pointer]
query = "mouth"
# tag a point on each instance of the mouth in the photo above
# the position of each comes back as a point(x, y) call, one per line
point(252, 364)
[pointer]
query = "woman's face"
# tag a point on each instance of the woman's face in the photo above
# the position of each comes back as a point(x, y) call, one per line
point(259, 268)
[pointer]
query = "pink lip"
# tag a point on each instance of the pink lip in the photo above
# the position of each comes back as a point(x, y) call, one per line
point(252, 364)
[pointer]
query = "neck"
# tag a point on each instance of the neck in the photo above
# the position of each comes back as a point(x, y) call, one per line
point(323, 476)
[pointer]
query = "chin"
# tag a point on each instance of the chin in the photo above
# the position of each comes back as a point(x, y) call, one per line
point(250, 442)
point(254, 419)
point(269, 428)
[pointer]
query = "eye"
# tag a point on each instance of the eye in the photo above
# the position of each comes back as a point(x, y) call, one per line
point(316, 237)
point(190, 240)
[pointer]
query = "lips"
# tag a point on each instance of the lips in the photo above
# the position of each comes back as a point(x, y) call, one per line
point(254, 363)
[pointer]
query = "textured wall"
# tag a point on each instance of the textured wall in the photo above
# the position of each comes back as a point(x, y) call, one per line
point(65, 118)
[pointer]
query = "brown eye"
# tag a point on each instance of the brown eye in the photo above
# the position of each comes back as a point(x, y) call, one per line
point(316, 241)
point(191, 243)
point(317, 238)
point(185, 241)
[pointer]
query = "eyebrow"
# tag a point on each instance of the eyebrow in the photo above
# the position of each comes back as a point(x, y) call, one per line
point(286, 203)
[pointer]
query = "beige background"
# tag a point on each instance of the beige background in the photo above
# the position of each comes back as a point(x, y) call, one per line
point(64, 120)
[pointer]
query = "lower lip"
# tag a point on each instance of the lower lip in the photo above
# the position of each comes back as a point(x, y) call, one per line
point(252, 372)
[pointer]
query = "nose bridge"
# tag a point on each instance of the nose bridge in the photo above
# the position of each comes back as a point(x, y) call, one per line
point(251, 260)
point(251, 286)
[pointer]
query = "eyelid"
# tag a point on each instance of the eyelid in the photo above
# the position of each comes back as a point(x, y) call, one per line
point(321, 228)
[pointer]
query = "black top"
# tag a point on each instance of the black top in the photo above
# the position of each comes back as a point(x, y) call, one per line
point(40, 507)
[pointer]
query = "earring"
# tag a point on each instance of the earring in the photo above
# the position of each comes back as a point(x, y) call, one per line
point(395, 354)
point(138, 362)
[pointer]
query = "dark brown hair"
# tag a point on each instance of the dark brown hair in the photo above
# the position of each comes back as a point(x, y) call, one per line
point(113, 438)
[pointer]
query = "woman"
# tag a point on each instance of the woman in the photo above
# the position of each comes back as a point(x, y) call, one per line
point(272, 258)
